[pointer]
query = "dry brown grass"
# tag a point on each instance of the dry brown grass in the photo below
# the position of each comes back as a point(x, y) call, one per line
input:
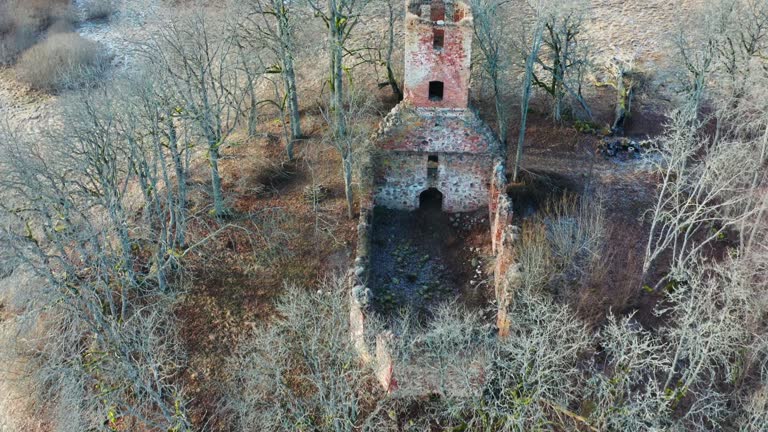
point(63, 60)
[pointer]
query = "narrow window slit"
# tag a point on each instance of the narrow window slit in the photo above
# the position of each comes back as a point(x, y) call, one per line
point(438, 39)
point(432, 164)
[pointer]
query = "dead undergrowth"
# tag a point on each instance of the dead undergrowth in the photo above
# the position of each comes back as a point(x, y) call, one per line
point(275, 236)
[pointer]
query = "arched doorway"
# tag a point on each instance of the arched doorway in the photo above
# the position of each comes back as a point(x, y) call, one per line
point(431, 199)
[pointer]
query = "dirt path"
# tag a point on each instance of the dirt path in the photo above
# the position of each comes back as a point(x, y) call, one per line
point(627, 187)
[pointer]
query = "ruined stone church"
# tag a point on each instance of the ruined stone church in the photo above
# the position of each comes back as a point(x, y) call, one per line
point(433, 149)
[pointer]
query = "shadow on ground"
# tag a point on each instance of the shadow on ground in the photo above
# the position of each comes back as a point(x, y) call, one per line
point(426, 257)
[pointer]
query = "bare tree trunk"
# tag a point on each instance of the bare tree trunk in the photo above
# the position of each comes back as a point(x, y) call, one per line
point(347, 167)
point(337, 73)
point(489, 34)
point(252, 112)
point(268, 23)
point(527, 87)
point(755, 229)
point(390, 49)
point(218, 200)
point(337, 17)
point(181, 182)
point(620, 112)
point(289, 76)
point(501, 115)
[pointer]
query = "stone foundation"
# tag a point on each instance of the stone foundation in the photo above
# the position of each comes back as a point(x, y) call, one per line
point(506, 277)
point(359, 306)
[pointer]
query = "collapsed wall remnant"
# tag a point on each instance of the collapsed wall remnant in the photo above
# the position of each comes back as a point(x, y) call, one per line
point(433, 150)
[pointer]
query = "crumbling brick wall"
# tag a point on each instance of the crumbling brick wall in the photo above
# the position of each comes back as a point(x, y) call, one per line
point(438, 48)
point(506, 271)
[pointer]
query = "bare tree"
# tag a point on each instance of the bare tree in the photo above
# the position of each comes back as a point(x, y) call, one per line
point(562, 247)
point(697, 57)
point(369, 49)
point(755, 402)
point(738, 31)
point(480, 382)
point(563, 57)
point(340, 17)
point(393, 16)
point(752, 115)
point(351, 146)
point(624, 387)
point(575, 229)
point(444, 355)
point(713, 317)
point(700, 197)
point(489, 17)
point(251, 67)
point(271, 24)
point(621, 74)
point(201, 60)
point(530, 378)
point(737, 82)
point(109, 355)
point(532, 45)
point(301, 371)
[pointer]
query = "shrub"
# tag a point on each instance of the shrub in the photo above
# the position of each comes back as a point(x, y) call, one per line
point(63, 60)
point(37, 15)
point(22, 21)
point(61, 26)
point(6, 19)
point(301, 372)
point(99, 9)
point(14, 43)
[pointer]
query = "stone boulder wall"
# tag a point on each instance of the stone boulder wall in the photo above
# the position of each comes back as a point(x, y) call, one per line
point(360, 294)
point(380, 357)
point(465, 149)
point(462, 178)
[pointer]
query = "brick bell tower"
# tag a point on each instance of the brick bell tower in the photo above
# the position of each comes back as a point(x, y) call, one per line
point(438, 51)
point(433, 150)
